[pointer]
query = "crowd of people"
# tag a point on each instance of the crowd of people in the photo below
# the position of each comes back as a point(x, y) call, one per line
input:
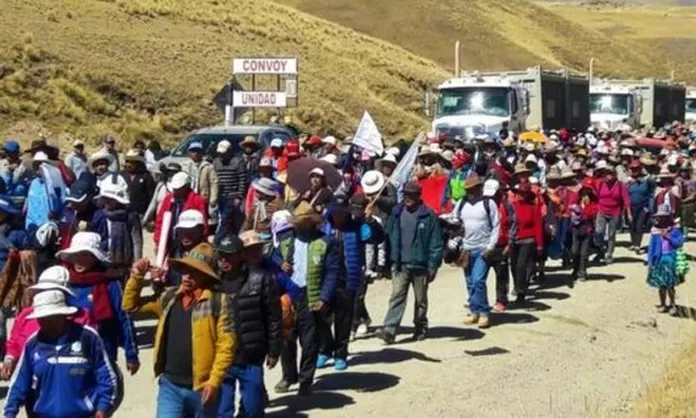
point(262, 250)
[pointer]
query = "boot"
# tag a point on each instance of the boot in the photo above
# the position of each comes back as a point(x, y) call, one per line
point(483, 322)
point(470, 319)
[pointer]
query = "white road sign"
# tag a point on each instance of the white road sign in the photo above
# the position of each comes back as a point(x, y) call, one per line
point(259, 99)
point(267, 66)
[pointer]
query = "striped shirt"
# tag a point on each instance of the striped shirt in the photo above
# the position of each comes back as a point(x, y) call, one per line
point(233, 179)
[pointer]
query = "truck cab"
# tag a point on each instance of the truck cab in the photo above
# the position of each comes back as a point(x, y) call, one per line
point(476, 104)
point(613, 106)
point(691, 105)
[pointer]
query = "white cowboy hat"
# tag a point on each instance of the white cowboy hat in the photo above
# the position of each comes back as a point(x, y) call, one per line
point(54, 278)
point(50, 303)
point(100, 155)
point(265, 186)
point(372, 182)
point(115, 191)
point(85, 242)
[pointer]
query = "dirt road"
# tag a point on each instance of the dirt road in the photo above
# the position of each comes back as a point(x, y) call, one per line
point(570, 353)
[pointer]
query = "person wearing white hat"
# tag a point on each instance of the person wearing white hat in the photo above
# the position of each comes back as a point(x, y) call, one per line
point(234, 179)
point(122, 231)
point(97, 285)
point(180, 199)
point(387, 164)
point(202, 175)
point(266, 202)
point(63, 367)
point(76, 160)
point(53, 278)
point(384, 195)
point(318, 195)
point(331, 159)
point(329, 146)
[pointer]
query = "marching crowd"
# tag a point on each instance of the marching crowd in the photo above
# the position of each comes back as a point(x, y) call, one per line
point(260, 250)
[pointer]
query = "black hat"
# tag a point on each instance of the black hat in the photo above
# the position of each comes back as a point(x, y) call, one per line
point(81, 189)
point(170, 167)
point(230, 244)
point(412, 188)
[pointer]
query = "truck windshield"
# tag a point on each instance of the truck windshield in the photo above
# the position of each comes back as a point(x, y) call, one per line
point(691, 105)
point(492, 101)
point(616, 104)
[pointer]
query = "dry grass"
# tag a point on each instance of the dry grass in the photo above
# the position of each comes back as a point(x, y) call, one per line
point(495, 34)
point(673, 395)
point(149, 68)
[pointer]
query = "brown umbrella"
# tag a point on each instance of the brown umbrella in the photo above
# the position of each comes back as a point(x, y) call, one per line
point(298, 174)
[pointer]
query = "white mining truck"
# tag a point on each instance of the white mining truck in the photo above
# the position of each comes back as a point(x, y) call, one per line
point(691, 105)
point(477, 103)
point(637, 103)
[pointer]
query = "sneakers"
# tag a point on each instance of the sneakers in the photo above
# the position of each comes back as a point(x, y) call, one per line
point(383, 335)
point(470, 319)
point(340, 364)
point(363, 328)
point(322, 360)
point(499, 307)
point(283, 386)
point(483, 321)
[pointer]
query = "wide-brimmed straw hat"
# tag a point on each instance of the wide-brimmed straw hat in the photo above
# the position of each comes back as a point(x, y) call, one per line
point(50, 303)
point(648, 159)
point(200, 258)
point(248, 140)
point(99, 156)
point(472, 181)
point(303, 212)
point(134, 156)
point(554, 173)
point(81, 242)
point(251, 238)
point(266, 186)
point(521, 168)
point(567, 172)
point(665, 174)
point(54, 278)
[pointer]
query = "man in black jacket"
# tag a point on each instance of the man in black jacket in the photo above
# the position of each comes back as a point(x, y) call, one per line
point(141, 184)
point(258, 324)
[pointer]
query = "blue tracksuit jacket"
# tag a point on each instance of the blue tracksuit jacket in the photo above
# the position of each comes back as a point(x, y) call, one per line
point(70, 377)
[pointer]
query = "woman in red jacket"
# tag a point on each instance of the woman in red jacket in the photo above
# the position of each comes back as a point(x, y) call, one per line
point(582, 218)
point(530, 240)
point(179, 199)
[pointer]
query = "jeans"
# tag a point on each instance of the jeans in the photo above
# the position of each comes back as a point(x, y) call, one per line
point(639, 225)
point(523, 260)
point(4, 316)
point(251, 389)
point(305, 330)
point(581, 252)
point(230, 221)
point(475, 276)
point(175, 401)
point(341, 316)
point(606, 233)
point(397, 301)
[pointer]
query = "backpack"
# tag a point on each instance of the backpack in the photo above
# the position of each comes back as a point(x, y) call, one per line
point(486, 205)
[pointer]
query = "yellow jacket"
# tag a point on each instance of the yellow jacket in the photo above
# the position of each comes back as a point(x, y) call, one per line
point(214, 339)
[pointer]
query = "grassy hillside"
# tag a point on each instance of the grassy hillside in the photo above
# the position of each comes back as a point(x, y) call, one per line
point(495, 34)
point(149, 68)
point(668, 32)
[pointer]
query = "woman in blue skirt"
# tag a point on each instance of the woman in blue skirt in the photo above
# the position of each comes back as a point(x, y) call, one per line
point(665, 239)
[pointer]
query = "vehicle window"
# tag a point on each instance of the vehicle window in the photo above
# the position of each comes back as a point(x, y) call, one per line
point(209, 142)
point(513, 100)
point(266, 138)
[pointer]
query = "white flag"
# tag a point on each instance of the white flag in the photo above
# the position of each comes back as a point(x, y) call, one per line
point(402, 172)
point(367, 135)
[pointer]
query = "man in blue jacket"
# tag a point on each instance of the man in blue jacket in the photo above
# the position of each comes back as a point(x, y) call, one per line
point(351, 234)
point(416, 253)
point(63, 368)
point(311, 259)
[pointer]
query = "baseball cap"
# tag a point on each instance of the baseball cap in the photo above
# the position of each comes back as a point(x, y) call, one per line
point(11, 146)
point(189, 219)
point(195, 146)
point(490, 187)
point(317, 171)
point(277, 143)
point(223, 146)
point(178, 180)
point(78, 143)
point(329, 140)
point(230, 244)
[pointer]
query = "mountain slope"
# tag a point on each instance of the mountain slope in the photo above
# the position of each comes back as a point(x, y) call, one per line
point(495, 34)
point(149, 68)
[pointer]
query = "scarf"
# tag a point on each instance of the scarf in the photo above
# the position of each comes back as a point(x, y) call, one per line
point(120, 244)
point(99, 280)
point(260, 214)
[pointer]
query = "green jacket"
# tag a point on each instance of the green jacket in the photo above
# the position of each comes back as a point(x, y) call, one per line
point(427, 248)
